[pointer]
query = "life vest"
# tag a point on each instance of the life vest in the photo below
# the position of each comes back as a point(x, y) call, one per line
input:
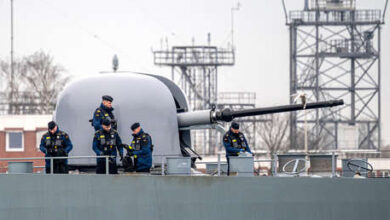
point(54, 143)
point(107, 141)
point(237, 141)
point(140, 141)
point(103, 114)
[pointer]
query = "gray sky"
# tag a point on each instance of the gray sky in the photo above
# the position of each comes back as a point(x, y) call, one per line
point(84, 35)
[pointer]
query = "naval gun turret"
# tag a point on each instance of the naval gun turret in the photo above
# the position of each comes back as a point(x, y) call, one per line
point(154, 101)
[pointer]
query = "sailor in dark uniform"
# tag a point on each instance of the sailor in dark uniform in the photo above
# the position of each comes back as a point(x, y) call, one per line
point(106, 142)
point(105, 111)
point(234, 142)
point(56, 143)
point(141, 148)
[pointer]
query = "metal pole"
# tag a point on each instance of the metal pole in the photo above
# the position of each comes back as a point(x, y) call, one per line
point(11, 95)
point(379, 88)
point(333, 165)
point(107, 166)
point(275, 161)
point(236, 8)
point(232, 28)
point(51, 165)
point(162, 166)
point(219, 164)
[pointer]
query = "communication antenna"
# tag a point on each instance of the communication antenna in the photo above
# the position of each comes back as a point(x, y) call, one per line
point(115, 63)
point(236, 8)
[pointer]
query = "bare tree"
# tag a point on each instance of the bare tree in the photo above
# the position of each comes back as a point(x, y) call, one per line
point(45, 78)
point(35, 85)
point(273, 132)
point(12, 84)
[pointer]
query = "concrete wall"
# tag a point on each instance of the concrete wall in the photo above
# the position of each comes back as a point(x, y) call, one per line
point(24, 197)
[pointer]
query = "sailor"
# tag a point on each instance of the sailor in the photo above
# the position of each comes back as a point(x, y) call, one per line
point(107, 142)
point(56, 143)
point(235, 142)
point(105, 111)
point(141, 148)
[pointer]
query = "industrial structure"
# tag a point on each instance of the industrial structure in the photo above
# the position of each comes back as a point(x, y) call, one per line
point(241, 101)
point(335, 53)
point(195, 71)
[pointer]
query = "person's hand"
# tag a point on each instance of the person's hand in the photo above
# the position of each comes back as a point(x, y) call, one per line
point(121, 157)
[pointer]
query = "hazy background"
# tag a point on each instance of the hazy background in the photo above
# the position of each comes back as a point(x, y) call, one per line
point(84, 35)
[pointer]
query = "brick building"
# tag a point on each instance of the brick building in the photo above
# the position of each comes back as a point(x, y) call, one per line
point(20, 136)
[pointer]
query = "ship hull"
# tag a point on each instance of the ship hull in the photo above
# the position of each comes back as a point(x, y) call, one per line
point(184, 198)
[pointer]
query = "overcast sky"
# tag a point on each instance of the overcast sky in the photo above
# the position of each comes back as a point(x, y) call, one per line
point(84, 35)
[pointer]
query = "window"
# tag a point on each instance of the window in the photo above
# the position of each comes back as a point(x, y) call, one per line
point(39, 137)
point(14, 141)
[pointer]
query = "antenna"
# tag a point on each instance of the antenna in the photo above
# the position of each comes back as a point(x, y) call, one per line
point(115, 63)
point(236, 8)
point(11, 95)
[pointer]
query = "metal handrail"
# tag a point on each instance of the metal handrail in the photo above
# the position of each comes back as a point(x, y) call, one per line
point(107, 157)
point(274, 161)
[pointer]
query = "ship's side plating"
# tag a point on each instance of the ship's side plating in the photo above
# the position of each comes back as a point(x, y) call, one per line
point(102, 197)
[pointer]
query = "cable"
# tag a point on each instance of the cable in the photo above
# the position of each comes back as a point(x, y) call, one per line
point(95, 36)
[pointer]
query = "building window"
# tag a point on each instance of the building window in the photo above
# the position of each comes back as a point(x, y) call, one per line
point(14, 141)
point(39, 137)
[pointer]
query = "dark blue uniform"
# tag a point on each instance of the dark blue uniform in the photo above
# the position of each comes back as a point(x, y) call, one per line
point(234, 144)
point(56, 145)
point(142, 145)
point(107, 143)
point(100, 114)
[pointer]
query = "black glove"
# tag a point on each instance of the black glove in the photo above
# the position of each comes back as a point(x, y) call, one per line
point(62, 153)
point(121, 157)
point(114, 124)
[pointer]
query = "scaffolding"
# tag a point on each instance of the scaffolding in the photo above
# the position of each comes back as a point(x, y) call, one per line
point(240, 101)
point(195, 70)
point(335, 54)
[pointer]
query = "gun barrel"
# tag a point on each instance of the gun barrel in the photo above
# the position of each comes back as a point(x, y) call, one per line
point(230, 115)
point(205, 117)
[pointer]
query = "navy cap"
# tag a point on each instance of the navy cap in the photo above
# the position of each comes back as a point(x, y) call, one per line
point(106, 122)
point(51, 125)
point(235, 125)
point(135, 126)
point(108, 98)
